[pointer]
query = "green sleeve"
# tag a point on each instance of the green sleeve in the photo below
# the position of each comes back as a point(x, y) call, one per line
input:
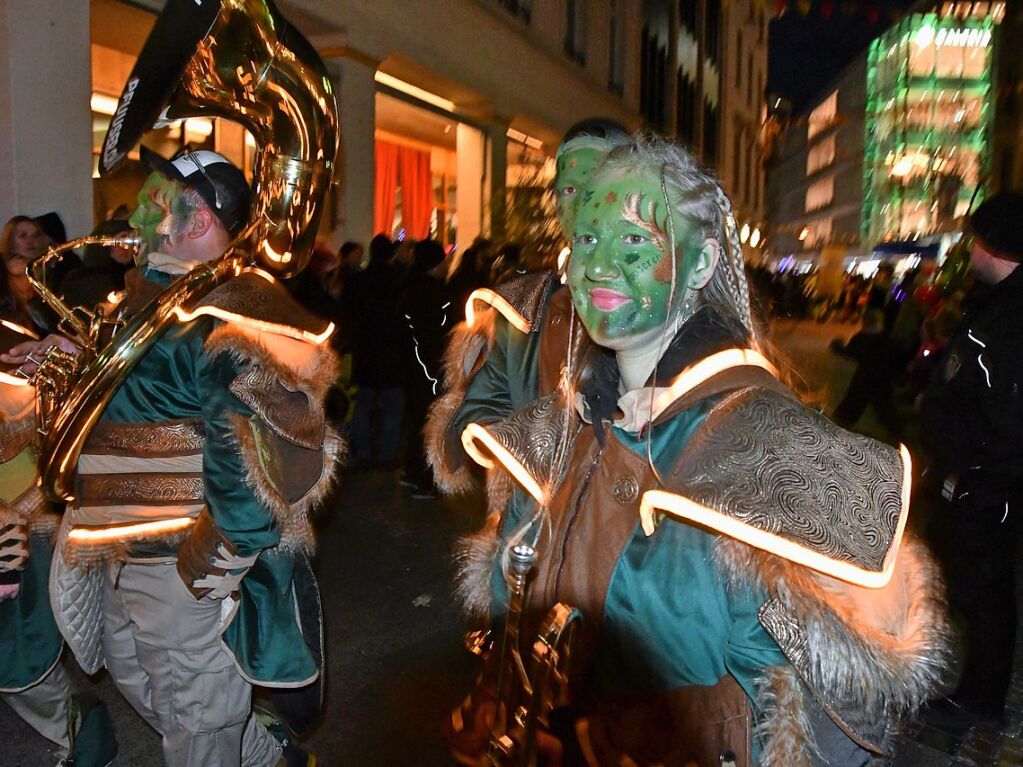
point(750, 649)
point(236, 511)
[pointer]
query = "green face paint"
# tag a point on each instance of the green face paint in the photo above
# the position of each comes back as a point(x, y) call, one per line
point(158, 202)
point(575, 167)
point(621, 268)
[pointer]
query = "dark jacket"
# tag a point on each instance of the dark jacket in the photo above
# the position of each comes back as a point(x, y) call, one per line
point(427, 310)
point(972, 412)
point(377, 329)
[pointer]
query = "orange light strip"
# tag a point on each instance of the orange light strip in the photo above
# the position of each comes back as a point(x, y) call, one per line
point(654, 501)
point(499, 302)
point(474, 432)
point(707, 368)
point(129, 531)
point(19, 329)
point(261, 325)
point(8, 379)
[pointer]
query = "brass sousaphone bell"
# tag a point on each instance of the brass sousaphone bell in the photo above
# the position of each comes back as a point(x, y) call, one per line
point(236, 59)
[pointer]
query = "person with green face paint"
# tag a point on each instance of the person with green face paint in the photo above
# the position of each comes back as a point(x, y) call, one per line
point(196, 561)
point(490, 364)
point(747, 590)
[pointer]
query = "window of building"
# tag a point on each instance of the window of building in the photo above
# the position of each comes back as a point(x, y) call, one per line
point(575, 30)
point(687, 16)
point(712, 30)
point(823, 116)
point(737, 159)
point(821, 155)
point(653, 68)
point(522, 9)
point(616, 48)
point(749, 79)
point(820, 194)
point(685, 113)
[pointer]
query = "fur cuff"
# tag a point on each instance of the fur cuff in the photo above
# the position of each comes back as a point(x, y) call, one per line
point(880, 653)
point(32, 510)
point(783, 726)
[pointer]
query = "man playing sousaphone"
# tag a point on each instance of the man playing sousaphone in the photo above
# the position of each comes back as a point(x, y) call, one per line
point(192, 446)
point(190, 529)
point(748, 596)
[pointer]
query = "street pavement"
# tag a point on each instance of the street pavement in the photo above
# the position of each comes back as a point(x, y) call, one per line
point(396, 665)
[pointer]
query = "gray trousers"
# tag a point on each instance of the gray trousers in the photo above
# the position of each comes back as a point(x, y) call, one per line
point(44, 706)
point(164, 652)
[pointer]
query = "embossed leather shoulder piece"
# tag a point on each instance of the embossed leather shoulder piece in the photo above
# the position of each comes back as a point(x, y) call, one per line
point(526, 444)
point(767, 470)
point(256, 298)
point(519, 300)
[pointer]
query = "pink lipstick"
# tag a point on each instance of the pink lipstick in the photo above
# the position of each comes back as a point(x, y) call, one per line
point(607, 300)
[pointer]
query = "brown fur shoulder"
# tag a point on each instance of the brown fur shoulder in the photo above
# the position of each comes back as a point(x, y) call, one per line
point(292, 517)
point(883, 651)
point(299, 365)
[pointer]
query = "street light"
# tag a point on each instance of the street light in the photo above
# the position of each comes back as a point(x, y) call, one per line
point(744, 233)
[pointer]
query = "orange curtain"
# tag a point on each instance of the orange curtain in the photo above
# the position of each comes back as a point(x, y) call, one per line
point(416, 191)
point(386, 186)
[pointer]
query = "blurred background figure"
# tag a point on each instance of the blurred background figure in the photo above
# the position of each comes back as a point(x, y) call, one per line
point(376, 335)
point(21, 243)
point(426, 308)
point(102, 268)
point(469, 274)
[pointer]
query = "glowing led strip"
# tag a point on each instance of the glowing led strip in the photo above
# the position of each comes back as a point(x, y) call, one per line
point(500, 303)
point(475, 432)
point(128, 531)
point(706, 369)
point(261, 325)
point(19, 329)
point(662, 501)
point(7, 378)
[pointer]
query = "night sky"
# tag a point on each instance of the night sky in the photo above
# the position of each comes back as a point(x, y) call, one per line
point(808, 51)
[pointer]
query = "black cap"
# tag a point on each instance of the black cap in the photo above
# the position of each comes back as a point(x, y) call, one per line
point(996, 223)
point(217, 181)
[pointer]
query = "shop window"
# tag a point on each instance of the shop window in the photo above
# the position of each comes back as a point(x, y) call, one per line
point(820, 194)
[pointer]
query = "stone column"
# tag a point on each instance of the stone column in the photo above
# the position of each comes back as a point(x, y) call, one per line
point(46, 129)
point(497, 176)
point(357, 164)
point(472, 171)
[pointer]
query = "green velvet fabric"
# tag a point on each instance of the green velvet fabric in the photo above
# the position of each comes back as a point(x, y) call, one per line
point(176, 379)
point(669, 620)
point(29, 640)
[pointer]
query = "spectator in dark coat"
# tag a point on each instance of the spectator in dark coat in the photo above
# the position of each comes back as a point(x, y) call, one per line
point(377, 333)
point(972, 426)
point(878, 363)
point(427, 310)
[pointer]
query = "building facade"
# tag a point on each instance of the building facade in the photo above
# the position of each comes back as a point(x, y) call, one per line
point(814, 181)
point(703, 76)
point(894, 150)
point(474, 93)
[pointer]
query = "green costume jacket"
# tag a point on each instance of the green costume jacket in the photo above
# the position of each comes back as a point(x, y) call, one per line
point(206, 424)
point(679, 616)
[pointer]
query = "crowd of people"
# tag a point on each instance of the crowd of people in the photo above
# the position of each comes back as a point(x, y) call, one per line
point(646, 436)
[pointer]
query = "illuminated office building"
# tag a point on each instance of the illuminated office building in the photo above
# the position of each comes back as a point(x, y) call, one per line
point(928, 121)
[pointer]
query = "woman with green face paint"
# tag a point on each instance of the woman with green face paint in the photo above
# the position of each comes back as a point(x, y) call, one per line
point(747, 591)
